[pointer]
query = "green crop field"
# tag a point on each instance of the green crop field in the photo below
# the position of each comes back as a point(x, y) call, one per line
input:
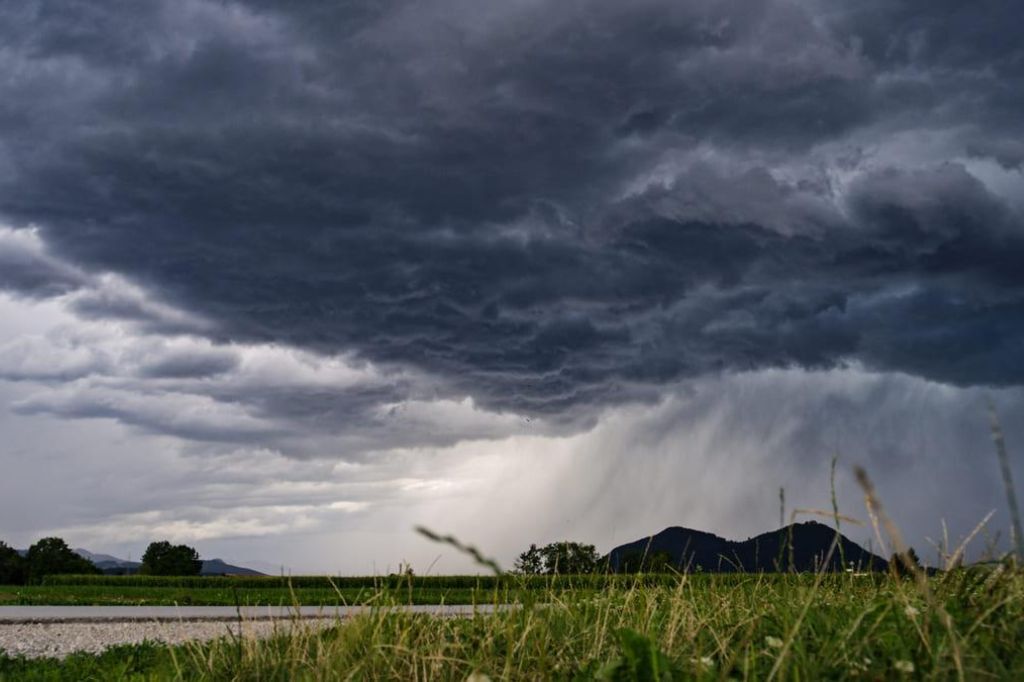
point(308, 590)
point(966, 624)
point(133, 595)
point(321, 590)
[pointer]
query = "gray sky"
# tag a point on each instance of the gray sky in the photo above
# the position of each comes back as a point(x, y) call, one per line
point(282, 281)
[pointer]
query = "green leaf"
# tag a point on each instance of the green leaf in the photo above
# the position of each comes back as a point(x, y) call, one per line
point(640, 661)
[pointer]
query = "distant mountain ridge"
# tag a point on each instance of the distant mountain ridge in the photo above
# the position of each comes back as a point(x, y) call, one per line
point(107, 563)
point(694, 550)
point(220, 567)
point(111, 565)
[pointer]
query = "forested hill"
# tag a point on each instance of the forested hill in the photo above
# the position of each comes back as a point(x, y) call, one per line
point(802, 546)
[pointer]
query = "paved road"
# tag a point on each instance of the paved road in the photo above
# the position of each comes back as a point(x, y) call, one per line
point(97, 614)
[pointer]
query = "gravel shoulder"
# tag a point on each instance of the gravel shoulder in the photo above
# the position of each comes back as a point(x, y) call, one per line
point(58, 639)
point(56, 631)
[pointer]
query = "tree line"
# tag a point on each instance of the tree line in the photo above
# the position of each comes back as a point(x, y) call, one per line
point(559, 558)
point(577, 558)
point(53, 556)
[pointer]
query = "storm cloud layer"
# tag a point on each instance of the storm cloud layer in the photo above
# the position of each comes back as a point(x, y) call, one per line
point(543, 206)
point(307, 274)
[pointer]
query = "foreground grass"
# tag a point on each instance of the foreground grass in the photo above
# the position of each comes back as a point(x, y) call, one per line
point(966, 625)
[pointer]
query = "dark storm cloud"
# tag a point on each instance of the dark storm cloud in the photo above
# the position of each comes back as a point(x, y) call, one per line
point(115, 300)
point(191, 365)
point(184, 418)
point(543, 205)
point(26, 270)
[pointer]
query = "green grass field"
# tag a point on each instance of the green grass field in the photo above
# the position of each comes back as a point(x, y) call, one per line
point(961, 625)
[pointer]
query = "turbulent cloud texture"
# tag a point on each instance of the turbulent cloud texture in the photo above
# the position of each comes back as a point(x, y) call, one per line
point(544, 205)
point(338, 229)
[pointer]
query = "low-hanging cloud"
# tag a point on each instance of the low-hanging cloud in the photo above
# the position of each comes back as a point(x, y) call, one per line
point(221, 397)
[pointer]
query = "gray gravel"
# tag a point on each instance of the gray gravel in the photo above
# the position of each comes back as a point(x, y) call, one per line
point(58, 639)
point(56, 631)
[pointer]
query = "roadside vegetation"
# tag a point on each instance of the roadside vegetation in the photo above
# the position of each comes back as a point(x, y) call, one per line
point(966, 624)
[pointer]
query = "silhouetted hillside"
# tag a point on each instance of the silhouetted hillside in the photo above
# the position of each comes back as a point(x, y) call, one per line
point(680, 547)
point(693, 550)
point(111, 565)
point(218, 567)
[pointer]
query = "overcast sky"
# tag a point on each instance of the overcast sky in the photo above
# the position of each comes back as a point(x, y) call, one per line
point(283, 280)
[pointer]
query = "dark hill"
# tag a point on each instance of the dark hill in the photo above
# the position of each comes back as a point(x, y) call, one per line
point(693, 550)
point(683, 547)
point(111, 565)
point(218, 567)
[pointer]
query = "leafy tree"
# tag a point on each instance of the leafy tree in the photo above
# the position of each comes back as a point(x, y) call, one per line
point(570, 558)
point(13, 569)
point(530, 562)
point(558, 558)
point(163, 558)
point(52, 556)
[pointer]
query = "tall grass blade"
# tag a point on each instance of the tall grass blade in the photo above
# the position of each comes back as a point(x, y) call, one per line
point(472, 551)
point(782, 507)
point(1011, 493)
